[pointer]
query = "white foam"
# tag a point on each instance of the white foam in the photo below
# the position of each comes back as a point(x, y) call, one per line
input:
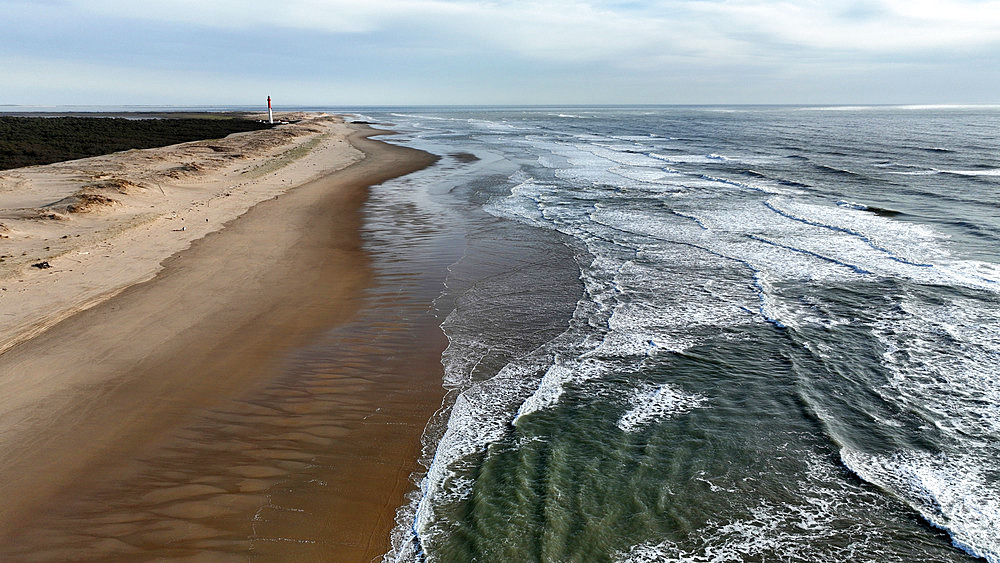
point(685, 158)
point(973, 273)
point(986, 172)
point(593, 138)
point(853, 205)
point(915, 172)
point(645, 175)
point(619, 156)
point(480, 416)
point(944, 358)
point(644, 138)
point(522, 203)
point(548, 392)
point(546, 161)
point(950, 491)
point(811, 528)
point(592, 177)
point(653, 404)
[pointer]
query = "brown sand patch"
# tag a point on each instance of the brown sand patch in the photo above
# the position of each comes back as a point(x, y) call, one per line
point(211, 508)
point(464, 157)
point(171, 494)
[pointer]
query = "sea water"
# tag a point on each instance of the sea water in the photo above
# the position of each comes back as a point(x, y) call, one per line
point(714, 334)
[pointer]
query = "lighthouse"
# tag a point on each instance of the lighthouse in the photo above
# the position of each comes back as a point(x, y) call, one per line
point(270, 114)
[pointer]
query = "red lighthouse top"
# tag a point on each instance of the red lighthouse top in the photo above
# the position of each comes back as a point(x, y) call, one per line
point(269, 102)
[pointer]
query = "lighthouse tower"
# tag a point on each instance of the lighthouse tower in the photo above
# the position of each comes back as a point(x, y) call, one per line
point(270, 114)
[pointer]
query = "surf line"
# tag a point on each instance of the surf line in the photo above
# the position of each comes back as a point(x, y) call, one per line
point(757, 272)
point(865, 238)
point(857, 269)
point(758, 282)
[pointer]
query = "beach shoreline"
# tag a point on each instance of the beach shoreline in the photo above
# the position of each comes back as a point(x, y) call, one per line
point(97, 379)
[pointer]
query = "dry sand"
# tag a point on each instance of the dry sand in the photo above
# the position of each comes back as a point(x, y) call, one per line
point(153, 317)
point(106, 223)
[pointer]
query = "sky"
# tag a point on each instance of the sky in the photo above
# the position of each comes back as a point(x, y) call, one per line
point(493, 52)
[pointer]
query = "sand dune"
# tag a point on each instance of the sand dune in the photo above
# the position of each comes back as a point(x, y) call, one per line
point(105, 223)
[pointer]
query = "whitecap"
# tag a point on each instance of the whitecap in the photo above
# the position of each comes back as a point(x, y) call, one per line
point(949, 491)
point(652, 404)
point(984, 172)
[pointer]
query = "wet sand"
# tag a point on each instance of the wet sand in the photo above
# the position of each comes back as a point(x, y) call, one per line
point(185, 416)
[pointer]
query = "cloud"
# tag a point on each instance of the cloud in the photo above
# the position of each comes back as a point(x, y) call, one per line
point(333, 16)
point(885, 26)
point(489, 51)
point(574, 30)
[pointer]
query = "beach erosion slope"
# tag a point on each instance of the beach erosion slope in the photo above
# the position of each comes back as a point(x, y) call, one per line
point(139, 289)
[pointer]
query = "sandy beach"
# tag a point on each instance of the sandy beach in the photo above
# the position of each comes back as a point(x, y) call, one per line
point(172, 286)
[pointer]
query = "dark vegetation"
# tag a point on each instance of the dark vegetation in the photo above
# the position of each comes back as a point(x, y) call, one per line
point(27, 141)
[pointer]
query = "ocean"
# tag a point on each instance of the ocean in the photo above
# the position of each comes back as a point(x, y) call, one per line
point(712, 334)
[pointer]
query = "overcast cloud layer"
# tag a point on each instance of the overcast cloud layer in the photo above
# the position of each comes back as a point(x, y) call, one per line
point(499, 52)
